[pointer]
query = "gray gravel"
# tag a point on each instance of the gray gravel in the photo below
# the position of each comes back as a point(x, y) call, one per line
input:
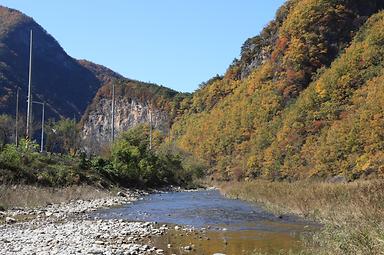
point(67, 229)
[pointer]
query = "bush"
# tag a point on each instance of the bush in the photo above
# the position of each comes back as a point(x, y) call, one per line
point(132, 160)
point(134, 163)
point(10, 156)
point(125, 159)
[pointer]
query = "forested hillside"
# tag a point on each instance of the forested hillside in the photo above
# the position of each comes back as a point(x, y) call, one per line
point(304, 100)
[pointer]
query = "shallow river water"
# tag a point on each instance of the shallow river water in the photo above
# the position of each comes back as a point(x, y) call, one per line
point(220, 225)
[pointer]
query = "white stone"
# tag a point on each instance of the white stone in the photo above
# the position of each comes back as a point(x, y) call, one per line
point(10, 220)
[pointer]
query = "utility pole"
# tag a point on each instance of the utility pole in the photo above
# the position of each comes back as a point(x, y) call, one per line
point(29, 107)
point(42, 124)
point(150, 127)
point(17, 118)
point(42, 129)
point(113, 113)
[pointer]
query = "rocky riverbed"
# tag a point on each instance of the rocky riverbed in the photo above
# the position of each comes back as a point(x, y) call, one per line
point(68, 229)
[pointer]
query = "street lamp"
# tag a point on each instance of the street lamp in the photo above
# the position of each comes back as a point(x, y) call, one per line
point(42, 124)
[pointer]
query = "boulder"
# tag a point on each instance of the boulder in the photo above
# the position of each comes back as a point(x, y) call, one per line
point(10, 220)
point(337, 179)
point(121, 194)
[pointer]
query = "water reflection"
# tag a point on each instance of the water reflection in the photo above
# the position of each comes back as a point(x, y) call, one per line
point(247, 227)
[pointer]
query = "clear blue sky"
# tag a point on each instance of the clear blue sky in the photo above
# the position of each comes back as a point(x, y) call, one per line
point(175, 43)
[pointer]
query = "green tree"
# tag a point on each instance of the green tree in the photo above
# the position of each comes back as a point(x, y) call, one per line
point(63, 136)
point(7, 124)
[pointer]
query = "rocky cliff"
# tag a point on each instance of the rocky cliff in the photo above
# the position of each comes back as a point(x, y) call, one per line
point(129, 112)
point(257, 50)
point(135, 103)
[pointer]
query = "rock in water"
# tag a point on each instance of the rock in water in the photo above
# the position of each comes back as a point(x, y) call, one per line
point(121, 194)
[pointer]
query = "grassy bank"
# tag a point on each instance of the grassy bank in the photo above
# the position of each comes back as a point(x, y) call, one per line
point(32, 196)
point(352, 213)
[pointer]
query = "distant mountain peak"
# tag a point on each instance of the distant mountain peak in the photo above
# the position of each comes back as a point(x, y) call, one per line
point(65, 84)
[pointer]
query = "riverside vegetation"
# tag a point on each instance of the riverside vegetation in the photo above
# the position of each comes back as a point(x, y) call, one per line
point(128, 163)
point(351, 213)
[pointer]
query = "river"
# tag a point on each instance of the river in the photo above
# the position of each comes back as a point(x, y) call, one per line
point(205, 222)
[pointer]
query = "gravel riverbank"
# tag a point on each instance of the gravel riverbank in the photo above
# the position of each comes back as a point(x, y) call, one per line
point(67, 229)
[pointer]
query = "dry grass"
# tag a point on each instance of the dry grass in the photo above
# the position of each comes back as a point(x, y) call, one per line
point(31, 196)
point(352, 213)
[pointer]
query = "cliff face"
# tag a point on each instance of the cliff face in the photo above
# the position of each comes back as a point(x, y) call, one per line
point(257, 50)
point(97, 128)
point(135, 101)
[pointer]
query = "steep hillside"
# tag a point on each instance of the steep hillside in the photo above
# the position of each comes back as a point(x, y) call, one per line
point(67, 86)
point(295, 105)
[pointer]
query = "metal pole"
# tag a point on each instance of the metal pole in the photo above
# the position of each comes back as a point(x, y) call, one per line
point(29, 108)
point(42, 129)
point(150, 128)
point(113, 113)
point(17, 118)
point(42, 124)
point(31, 119)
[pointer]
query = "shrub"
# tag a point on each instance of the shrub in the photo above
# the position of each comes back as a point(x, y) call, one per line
point(134, 163)
point(10, 156)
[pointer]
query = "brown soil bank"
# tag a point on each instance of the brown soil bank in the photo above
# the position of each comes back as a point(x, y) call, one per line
point(352, 213)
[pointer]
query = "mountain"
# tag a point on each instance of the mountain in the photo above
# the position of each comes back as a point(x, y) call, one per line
point(56, 77)
point(71, 88)
point(304, 99)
